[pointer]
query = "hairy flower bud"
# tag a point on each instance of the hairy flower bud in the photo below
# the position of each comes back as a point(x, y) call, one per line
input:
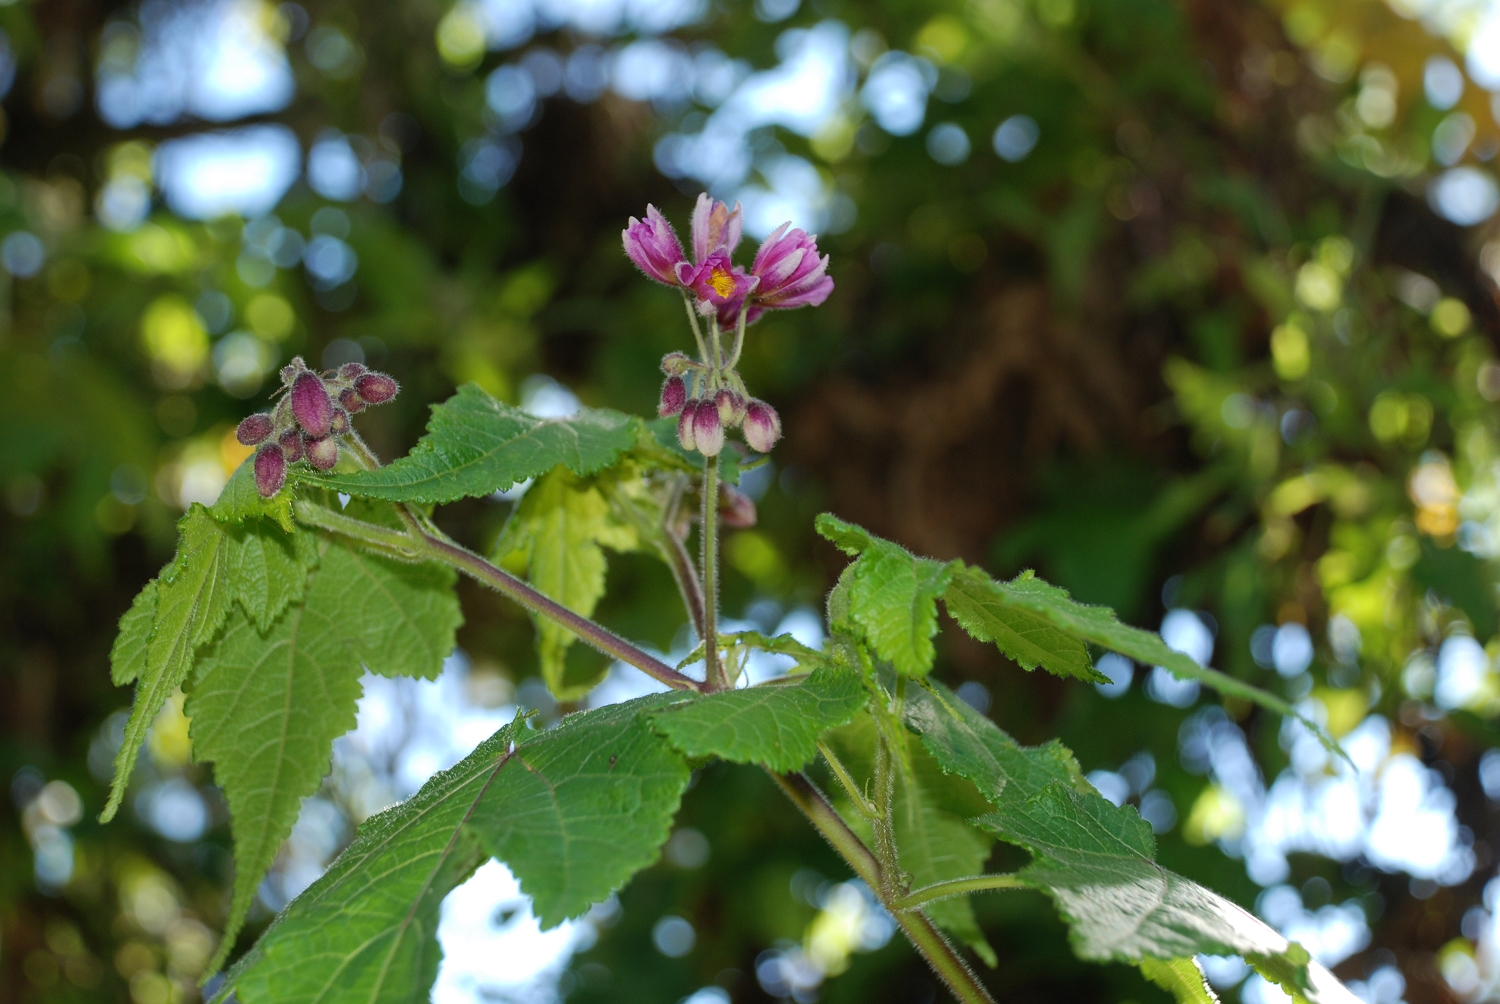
point(310, 404)
point(685, 434)
point(339, 423)
point(673, 396)
point(762, 426)
point(736, 509)
point(675, 364)
point(270, 469)
point(293, 445)
point(254, 430)
point(350, 401)
point(352, 371)
point(708, 431)
point(323, 453)
point(290, 371)
point(376, 388)
point(731, 407)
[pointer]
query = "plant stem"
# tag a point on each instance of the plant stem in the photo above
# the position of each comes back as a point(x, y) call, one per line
point(866, 808)
point(946, 962)
point(739, 335)
point(882, 823)
point(697, 328)
point(957, 887)
point(714, 670)
point(677, 559)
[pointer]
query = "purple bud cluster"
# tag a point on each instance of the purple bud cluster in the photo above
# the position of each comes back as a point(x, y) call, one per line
point(702, 421)
point(312, 413)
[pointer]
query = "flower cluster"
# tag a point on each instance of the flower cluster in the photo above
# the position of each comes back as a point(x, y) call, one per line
point(312, 414)
point(707, 396)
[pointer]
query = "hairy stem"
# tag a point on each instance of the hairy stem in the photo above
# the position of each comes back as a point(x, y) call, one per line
point(866, 808)
point(946, 962)
point(714, 670)
point(739, 336)
point(956, 887)
point(676, 553)
point(883, 823)
point(687, 302)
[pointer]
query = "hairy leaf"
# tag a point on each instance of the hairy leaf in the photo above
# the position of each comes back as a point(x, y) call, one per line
point(660, 449)
point(240, 500)
point(573, 811)
point(268, 568)
point(774, 725)
point(1182, 978)
point(1028, 594)
point(265, 708)
point(1096, 859)
point(557, 531)
point(476, 445)
point(975, 601)
point(193, 596)
point(127, 657)
point(892, 596)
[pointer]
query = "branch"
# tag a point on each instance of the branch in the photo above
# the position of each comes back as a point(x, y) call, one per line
point(957, 887)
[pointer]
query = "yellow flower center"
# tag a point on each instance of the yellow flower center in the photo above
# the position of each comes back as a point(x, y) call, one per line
point(721, 281)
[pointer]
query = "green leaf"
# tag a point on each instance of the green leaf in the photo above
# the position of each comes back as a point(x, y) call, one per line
point(557, 532)
point(1182, 978)
point(1099, 625)
point(268, 568)
point(774, 725)
point(265, 708)
point(240, 500)
point(573, 811)
point(664, 450)
point(975, 601)
point(892, 595)
point(127, 657)
point(193, 596)
point(476, 445)
point(1096, 859)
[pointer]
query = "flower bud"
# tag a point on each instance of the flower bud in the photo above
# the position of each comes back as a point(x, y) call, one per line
point(685, 424)
point(254, 430)
point(352, 371)
point(675, 364)
point(339, 423)
point(736, 509)
point(762, 426)
point(673, 397)
point(310, 404)
point(350, 401)
point(323, 453)
point(731, 407)
point(270, 469)
point(376, 388)
point(292, 445)
point(290, 370)
point(708, 431)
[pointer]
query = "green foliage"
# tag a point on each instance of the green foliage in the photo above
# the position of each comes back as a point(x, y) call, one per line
point(774, 724)
point(267, 703)
point(557, 535)
point(892, 595)
point(977, 602)
point(573, 811)
point(1096, 859)
point(1182, 978)
point(476, 445)
point(240, 500)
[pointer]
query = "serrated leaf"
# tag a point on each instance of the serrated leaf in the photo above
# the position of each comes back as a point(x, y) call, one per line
point(558, 530)
point(573, 811)
point(776, 726)
point(269, 568)
point(1100, 626)
point(193, 596)
point(476, 445)
point(127, 657)
point(975, 602)
point(240, 500)
point(1182, 978)
point(266, 708)
point(892, 595)
point(1096, 859)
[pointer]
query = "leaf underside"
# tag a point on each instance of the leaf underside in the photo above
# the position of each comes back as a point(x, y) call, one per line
point(573, 811)
point(776, 726)
point(476, 445)
point(1095, 859)
point(266, 707)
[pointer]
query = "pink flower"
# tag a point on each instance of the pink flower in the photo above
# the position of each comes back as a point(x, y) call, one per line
point(717, 281)
point(652, 244)
point(716, 227)
point(790, 272)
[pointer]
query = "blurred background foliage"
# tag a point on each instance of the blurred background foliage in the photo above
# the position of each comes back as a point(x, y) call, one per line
point(1188, 305)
